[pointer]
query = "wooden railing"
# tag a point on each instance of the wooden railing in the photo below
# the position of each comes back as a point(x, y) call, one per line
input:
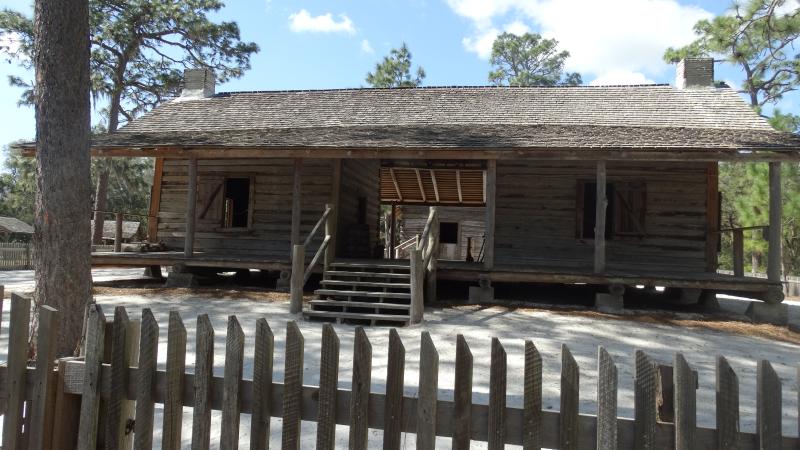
point(405, 245)
point(118, 218)
point(737, 246)
point(423, 266)
point(61, 408)
point(16, 255)
point(301, 273)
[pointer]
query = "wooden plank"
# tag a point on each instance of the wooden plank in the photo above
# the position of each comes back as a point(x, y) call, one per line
point(727, 405)
point(774, 261)
point(421, 188)
point(90, 397)
point(176, 366)
point(497, 397)
point(66, 412)
point(46, 341)
point(491, 207)
point(262, 386)
point(428, 391)
point(396, 186)
point(768, 407)
point(118, 233)
point(328, 385)
point(19, 323)
point(293, 387)
point(712, 216)
point(393, 411)
point(393, 232)
point(600, 220)
point(532, 399)
point(146, 380)
point(435, 184)
point(458, 186)
point(231, 395)
point(685, 386)
point(644, 401)
point(335, 201)
point(155, 200)
point(738, 252)
point(462, 395)
point(297, 279)
point(203, 377)
point(417, 285)
point(191, 208)
point(362, 380)
point(115, 421)
point(297, 195)
point(569, 423)
point(606, 401)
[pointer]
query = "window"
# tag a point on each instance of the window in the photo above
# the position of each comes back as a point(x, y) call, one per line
point(625, 214)
point(236, 210)
point(448, 232)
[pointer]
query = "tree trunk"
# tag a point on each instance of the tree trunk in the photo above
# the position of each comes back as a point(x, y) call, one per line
point(63, 195)
point(101, 194)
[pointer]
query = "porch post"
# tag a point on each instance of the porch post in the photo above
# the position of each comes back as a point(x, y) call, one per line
point(491, 193)
point(393, 233)
point(333, 219)
point(191, 206)
point(601, 203)
point(775, 228)
point(296, 206)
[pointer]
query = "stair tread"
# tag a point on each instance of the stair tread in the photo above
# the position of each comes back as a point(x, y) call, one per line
point(347, 293)
point(350, 304)
point(366, 284)
point(347, 273)
point(369, 265)
point(365, 316)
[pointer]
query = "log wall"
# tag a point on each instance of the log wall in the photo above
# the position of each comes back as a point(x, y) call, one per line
point(536, 216)
point(269, 235)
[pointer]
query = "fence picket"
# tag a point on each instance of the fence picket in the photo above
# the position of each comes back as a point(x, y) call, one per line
point(176, 366)
point(428, 392)
point(19, 322)
point(203, 375)
point(262, 385)
point(568, 424)
point(231, 396)
point(768, 407)
point(292, 387)
point(462, 395)
point(497, 397)
point(606, 401)
point(328, 382)
point(393, 411)
point(148, 357)
point(90, 401)
point(727, 405)
point(362, 381)
point(532, 399)
point(644, 401)
point(45, 355)
point(685, 404)
point(115, 423)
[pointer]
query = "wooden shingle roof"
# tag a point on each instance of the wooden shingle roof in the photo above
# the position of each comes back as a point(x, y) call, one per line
point(14, 225)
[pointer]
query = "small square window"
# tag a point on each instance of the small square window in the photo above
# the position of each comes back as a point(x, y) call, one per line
point(448, 232)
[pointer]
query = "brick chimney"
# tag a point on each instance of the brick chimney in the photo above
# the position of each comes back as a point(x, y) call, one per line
point(694, 72)
point(198, 83)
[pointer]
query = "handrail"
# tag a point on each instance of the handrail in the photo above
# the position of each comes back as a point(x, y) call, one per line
point(315, 259)
point(407, 243)
point(316, 227)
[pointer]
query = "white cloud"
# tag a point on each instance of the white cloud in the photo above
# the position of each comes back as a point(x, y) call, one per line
point(482, 42)
point(366, 47)
point(303, 21)
point(788, 7)
point(603, 37)
point(621, 77)
point(10, 42)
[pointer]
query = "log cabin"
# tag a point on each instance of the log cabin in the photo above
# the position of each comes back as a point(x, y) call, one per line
point(612, 186)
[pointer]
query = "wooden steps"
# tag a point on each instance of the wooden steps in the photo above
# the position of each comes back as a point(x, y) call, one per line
point(363, 291)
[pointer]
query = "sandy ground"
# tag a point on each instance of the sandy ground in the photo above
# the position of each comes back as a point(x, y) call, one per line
point(546, 328)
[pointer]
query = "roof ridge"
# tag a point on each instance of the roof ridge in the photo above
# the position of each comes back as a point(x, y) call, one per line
point(419, 88)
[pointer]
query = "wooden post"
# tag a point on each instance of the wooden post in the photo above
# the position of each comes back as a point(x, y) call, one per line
point(712, 217)
point(118, 234)
point(600, 220)
point(775, 226)
point(336, 188)
point(330, 230)
point(155, 201)
point(191, 206)
point(16, 373)
point(296, 204)
point(393, 233)
point(417, 281)
point(296, 284)
point(433, 248)
point(738, 252)
point(491, 193)
point(42, 404)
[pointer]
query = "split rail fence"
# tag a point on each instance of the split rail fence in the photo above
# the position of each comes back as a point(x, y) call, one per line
point(60, 407)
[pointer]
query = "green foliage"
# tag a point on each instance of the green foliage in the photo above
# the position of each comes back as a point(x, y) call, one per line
point(395, 71)
point(755, 37)
point(785, 121)
point(529, 60)
point(18, 187)
point(139, 49)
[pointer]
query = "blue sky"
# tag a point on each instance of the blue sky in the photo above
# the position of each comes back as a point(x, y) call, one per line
point(313, 44)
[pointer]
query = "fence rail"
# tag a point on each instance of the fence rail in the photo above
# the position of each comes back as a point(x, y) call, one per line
point(47, 398)
point(16, 255)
